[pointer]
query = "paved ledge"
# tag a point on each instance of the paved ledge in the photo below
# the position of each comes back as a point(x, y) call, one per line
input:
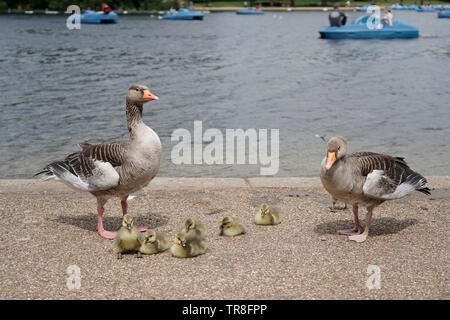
point(46, 227)
point(163, 183)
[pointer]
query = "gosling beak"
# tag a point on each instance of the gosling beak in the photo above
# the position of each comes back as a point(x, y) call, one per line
point(148, 96)
point(187, 229)
point(129, 226)
point(146, 238)
point(183, 243)
point(331, 158)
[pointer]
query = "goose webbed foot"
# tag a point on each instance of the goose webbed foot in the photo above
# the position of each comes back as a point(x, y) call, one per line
point(363, 236)
point(358, 237)
point(350, 232)
point(110, 235)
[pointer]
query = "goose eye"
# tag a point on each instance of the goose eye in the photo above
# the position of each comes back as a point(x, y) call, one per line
point(137, 89)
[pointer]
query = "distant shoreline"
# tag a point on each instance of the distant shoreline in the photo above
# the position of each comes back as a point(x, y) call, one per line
point(210, 9)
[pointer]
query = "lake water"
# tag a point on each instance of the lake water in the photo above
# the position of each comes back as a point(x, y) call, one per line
point(59, 87)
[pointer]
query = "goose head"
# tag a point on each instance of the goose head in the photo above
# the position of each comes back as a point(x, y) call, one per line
point(150, 236)
point(139, 94)
point(180, 239)
point(227, 222)
point(127, 222)
point(336, 149)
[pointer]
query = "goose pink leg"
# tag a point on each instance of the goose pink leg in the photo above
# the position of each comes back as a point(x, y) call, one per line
point(101, 231)
point(357, 229)
point(124, 204)
point(363, 236)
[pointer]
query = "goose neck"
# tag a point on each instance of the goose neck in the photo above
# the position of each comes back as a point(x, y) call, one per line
point(134, 116)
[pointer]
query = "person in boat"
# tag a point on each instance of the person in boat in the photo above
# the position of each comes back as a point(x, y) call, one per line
point(388, 17)
point(337, 18)
point(106, 9)
point(172, 10)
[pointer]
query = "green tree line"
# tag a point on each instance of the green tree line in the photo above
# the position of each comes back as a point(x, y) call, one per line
point(61, 5)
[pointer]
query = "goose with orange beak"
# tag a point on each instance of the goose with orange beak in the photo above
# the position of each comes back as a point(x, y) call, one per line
point(114, 169)
point(366, 178)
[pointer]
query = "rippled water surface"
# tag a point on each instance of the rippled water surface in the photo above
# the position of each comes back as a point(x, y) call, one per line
point(60, 87)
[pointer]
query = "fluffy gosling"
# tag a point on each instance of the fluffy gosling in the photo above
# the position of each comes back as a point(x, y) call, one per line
point(333, 205)
point(154, 242)
point(128, 238)
point(187, 249)
point(193, 230)
point(267, 215)
point(230, 228)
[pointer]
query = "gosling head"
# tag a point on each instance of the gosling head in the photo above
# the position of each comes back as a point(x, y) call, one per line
point(139, 94)
point(127, 221)
point(264, 209)
point(227, 222)
point(336, 149)
point(189, 224)
point(180, 239)
point(150, 236)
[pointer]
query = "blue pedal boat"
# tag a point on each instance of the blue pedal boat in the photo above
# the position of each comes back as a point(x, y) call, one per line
point(184, 14)
point(399, 7)
point(444, 14)
point(250, 11)
point(358, 29)
point(429, 9)
point(94, 17)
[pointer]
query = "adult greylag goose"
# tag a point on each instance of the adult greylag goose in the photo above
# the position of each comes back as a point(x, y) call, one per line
point(114, 169)
point(366, 178)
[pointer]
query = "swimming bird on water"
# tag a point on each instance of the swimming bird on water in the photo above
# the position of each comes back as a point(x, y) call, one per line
point(366, 178)
point(114, 169)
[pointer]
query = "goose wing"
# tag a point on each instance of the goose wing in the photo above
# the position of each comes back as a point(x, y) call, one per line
point(92, 169)
point(388, 177)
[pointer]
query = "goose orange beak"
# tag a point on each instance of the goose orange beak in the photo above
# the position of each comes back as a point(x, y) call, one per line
point(331, 158)
point(148, 96)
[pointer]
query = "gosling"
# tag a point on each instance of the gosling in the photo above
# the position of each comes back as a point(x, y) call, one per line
point(193, 230)
point(154, 242)
point(333, 205)
point(267, 215)
point(128, 239)
point(182, 248)
point(230, 228)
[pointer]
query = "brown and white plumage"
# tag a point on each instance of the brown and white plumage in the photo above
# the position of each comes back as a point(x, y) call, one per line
point(114, 169)
point(366, 178)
